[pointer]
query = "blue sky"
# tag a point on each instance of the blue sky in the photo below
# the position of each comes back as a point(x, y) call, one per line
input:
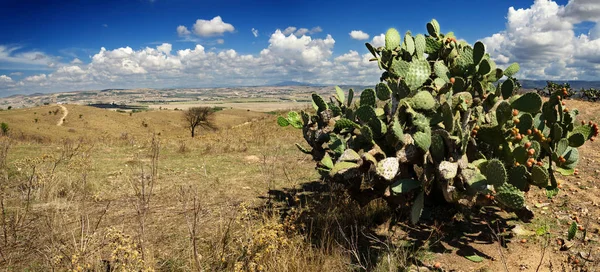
point(52, 46)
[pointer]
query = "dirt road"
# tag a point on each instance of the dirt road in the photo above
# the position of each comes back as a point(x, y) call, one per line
point(65, 113)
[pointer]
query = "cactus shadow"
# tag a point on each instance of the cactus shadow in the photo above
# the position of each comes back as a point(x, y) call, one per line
point(445, 229)
point(326, 217)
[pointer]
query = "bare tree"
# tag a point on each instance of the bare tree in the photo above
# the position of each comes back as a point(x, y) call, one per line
point(199, 116)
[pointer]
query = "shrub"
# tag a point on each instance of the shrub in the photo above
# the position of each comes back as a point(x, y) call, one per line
point(4, 127)
point(552, 87)
point(442, 127)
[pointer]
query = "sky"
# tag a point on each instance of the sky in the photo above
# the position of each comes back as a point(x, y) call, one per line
point(57, 46)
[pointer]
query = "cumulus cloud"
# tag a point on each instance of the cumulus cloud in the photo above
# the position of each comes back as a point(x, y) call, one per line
point(183, 31)
point(359, 35)
point(378, 40)
point(5, 79)
point(76, 61)
point(214, 27)
point(255, 32)
point(542, 39)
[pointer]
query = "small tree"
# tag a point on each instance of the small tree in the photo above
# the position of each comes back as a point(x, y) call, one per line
point(199, 116)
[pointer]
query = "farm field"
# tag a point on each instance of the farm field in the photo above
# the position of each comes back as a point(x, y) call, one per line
point(76, 197)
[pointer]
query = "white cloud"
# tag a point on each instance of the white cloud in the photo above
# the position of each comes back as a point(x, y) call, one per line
point(255, 32)
point(214, 27)
point(359, 35)
point(76, 61)
point(378, 40)
point(182, 31)
point(220, 41)
point(5, 79)
point(302, 31)
point(287, 57)
point(542, 39)
point(16, 74)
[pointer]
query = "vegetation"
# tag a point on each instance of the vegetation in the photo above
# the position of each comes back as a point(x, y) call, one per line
point(199, 117)
point(4, 128)
point(553, 87)
point(591, 94)
point(441, 128)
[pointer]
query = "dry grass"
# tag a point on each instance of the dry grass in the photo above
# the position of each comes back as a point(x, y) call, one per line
point(69, 198)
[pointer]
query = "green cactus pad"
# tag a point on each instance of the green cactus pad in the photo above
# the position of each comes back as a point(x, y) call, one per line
point(340, 95)
point(448, 118)
point(576, 140)
point(494, 172)
point(422, 100)
point(365, 113)
point(478, 52)
point(433, 28)
point(420, 45)
point(383, 91)
point(367, 98)
point(282, 122)
point(476, 181)
point(342, 167)
point(409, 42)
point(529, 102)
point(326, 161)
point(420, 121)
point(535, 145)
point(404, 186)
point(392, 39)
point(525, 123)
point(422, 140)
point(539, 176)
point(503, 113)
point(464, 61)
point(518, 176)
point(441, 71)
point(432, 45)
point(349, 155)
point(303, 149)
point(417, 208)
point(484, 67)
point(520, 155)
point(379, 128)
point(367, 133)
point(561, 147)
point(572, 157)
point(388, 168)
point(344, 123)
point(507, 88)
point(583, 129)
point(350, 97)
point(319, 102)
point(418, 73)
point(510, 197)
point(512, 69)
point(459, 84)
point(437, 148)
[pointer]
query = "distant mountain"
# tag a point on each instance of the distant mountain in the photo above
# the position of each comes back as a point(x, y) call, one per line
point(295, 83)
point(575, 84)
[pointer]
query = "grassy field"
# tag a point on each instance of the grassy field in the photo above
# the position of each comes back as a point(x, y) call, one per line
point(134, 192)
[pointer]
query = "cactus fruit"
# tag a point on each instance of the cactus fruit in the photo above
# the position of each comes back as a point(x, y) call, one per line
point(443, 118)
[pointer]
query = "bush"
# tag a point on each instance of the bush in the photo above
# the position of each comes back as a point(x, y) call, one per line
point(552, 87)
point(442, 127)
point(4, 128)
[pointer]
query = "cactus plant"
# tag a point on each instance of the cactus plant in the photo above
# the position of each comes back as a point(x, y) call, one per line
point(444, 118)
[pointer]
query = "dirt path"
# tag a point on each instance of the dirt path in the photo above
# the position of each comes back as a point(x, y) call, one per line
point(65, 113)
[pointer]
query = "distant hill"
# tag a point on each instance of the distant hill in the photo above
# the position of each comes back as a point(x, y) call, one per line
point(294, 83)
point(575, 84)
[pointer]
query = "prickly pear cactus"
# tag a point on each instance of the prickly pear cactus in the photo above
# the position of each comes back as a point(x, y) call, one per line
point(444, 118)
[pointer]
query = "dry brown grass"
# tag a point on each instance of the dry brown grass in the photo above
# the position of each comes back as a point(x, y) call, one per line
point(70, 204)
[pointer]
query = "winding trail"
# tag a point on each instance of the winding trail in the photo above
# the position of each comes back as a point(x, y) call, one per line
point(65, 113)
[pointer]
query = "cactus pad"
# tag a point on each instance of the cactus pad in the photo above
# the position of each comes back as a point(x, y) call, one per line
point(494, 172)
point(392, 39)
point(510, 197)
point(539, 176)
point(388, 168)
point(529, 102)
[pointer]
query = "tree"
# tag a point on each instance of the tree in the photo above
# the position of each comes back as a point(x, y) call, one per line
point(199, 116)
